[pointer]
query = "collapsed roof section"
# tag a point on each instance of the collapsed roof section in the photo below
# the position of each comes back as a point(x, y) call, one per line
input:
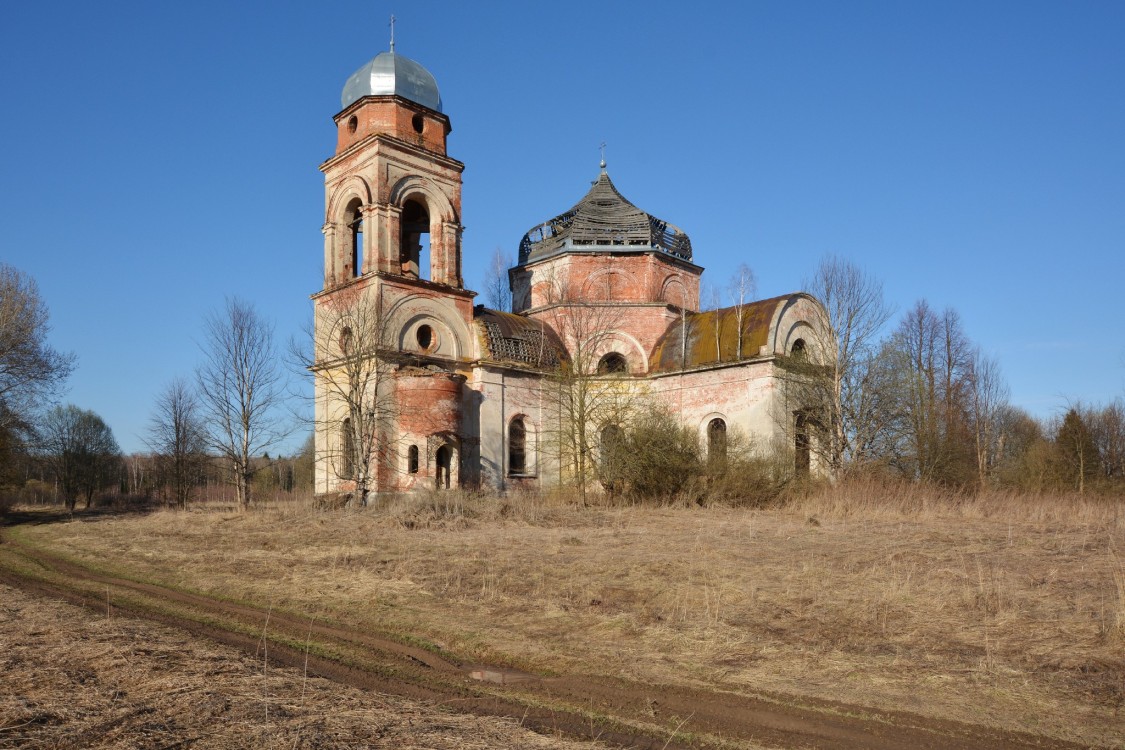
point(604, 219)
point(511, 338)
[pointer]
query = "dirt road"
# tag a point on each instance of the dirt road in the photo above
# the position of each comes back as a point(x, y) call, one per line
point(611, 710)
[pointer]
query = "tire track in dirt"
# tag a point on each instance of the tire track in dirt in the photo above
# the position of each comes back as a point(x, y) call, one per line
point(639, 716)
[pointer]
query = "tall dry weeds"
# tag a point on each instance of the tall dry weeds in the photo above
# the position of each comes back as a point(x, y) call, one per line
point(1000, 608)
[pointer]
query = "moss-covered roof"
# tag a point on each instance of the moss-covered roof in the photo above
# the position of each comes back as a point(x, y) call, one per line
point(703, 347)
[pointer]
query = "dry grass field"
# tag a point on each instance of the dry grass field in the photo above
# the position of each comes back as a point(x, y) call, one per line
point(75, 681)
point(999, 610)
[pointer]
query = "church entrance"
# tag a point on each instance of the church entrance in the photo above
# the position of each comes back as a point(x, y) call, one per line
point(444, 460)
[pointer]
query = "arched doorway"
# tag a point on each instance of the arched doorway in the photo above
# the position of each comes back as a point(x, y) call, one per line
point(443, 460)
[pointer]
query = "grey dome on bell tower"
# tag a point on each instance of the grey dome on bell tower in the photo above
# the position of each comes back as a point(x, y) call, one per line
point(390, 74)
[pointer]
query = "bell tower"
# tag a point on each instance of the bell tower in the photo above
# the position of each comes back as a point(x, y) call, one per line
point(393, 195)
point(393, 321)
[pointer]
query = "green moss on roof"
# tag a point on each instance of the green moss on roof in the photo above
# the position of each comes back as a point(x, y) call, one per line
point(704, 348)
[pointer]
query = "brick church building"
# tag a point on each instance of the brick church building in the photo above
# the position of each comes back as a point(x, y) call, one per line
point(418, 387)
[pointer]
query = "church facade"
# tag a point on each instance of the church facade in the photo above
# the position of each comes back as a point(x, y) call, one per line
point(418, 387)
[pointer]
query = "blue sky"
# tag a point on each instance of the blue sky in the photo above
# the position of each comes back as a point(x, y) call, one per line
point(159, 157)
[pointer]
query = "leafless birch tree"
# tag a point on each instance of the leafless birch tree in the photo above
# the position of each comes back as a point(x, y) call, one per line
point(354, 386)
point(497, 289)
point(241, 388)
point(988, 399)
point(743, 286)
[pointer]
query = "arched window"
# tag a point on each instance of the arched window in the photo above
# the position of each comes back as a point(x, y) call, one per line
point(347, 448)
point(412, 460)
point(444, 462)
point(716, 442)
point(517, 447)
point(354, 216)
point(415, 243)
point(799, 352)
point(613, 363)
point(346, 340)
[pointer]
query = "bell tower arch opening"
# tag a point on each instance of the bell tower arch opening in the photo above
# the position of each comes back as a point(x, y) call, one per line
point(353, 216)
point(415, 240)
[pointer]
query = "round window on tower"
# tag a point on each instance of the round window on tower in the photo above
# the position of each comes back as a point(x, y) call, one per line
point(418, 122)
point(353, 123)
point(427, 341)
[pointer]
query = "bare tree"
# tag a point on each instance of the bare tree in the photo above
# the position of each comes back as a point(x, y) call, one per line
point(589, 395)
point(1077, 448)
point(743, 287)
point(711, 298)
point(353, 385)
point(988, 399)
point(241, 388)
point(30, 370)
point(497, 287)
point(81, 451)
point(1108, 429)
point(178, 440)
point(931, 360)
point(855, 316)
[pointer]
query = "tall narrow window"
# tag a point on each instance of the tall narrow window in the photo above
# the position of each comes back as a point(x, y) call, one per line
point(355, 228)
point(801, 444)
point(415, 231)
point(716, 443)
point(347, 448)
point(412, 460)
point(517, 447)
point(346, 340)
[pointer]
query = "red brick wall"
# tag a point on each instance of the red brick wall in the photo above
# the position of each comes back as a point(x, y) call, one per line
point(392, 116)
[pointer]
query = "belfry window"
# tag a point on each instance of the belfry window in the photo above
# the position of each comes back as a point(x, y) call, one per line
point(355, 232)
point(613, 363)
point(415, 242)
point(517, 447)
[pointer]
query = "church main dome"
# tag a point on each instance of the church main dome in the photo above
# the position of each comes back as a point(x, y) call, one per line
point(389, 74)
point(604, 218)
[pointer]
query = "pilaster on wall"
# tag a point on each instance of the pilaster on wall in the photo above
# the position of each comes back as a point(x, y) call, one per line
point(331, 272)
point(385, 220)
point(445, 255)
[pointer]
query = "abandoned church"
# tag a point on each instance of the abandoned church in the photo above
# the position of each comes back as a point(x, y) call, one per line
point(417, 387)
